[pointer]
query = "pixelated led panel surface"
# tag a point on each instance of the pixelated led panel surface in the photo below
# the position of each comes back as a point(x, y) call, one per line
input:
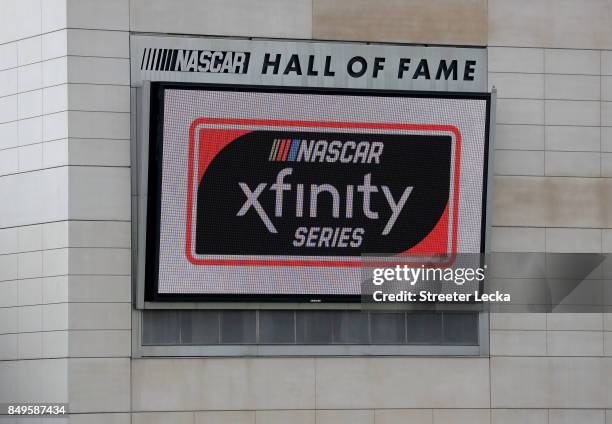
point(283, 192)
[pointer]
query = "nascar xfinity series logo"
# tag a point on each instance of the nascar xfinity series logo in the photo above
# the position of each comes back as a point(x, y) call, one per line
point(323, 191)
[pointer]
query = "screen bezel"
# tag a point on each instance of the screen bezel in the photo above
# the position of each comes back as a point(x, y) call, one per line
point(154, 184)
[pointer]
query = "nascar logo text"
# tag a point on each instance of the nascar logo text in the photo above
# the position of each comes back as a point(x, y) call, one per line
point(182, 60)
point(296, 150)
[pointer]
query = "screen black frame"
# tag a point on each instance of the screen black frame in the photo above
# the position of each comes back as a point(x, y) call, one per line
point(155, 160)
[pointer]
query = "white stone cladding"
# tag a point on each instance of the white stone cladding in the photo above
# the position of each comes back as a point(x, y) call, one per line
point(65, 217)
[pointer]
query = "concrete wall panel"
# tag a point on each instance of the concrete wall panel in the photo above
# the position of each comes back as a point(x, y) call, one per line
point(385, 383)
point(550, 23)
point(223, 384)
point(272, 18)
point(552, 202)
point(519, 416)
point(432, 22)
point(111, 391)
point(553, 382)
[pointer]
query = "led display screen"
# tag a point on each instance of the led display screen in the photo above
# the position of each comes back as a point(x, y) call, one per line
point(278, 193)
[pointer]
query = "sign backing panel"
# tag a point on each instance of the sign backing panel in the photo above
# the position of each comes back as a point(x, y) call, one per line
point(307, 63)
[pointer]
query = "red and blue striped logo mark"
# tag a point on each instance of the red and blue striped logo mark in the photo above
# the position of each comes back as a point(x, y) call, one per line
point(284, 149)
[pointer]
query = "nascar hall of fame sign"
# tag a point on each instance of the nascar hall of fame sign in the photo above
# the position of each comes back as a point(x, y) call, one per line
point(314, 64)
point(275, 167)
point(313, 189)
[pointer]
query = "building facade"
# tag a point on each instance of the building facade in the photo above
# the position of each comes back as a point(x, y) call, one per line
point(69, 331)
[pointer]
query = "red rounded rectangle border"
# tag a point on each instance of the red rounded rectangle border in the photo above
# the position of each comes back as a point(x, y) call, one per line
point(414, 251)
